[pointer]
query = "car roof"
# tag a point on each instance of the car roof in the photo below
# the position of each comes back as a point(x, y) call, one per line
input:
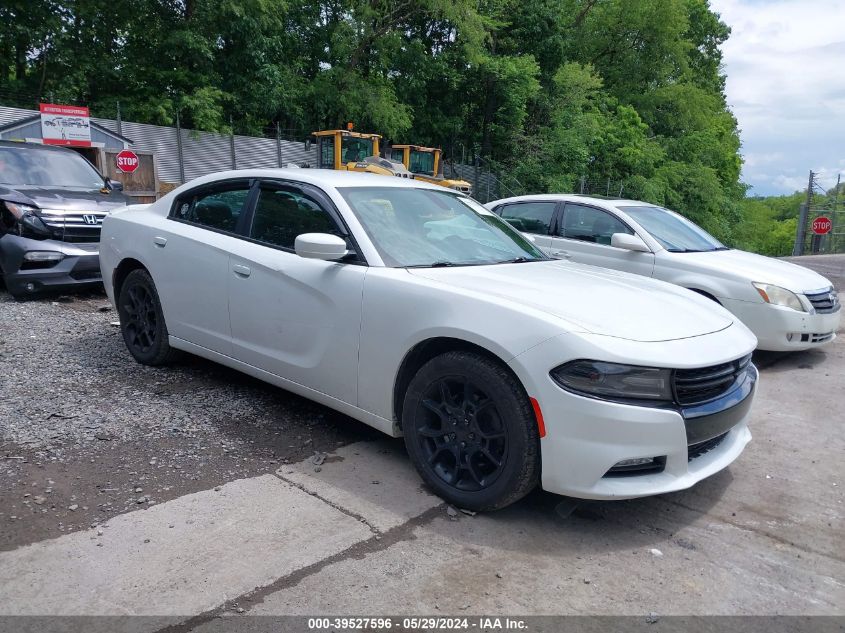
point(34, 146)
point(321, 178)
point(598, 201)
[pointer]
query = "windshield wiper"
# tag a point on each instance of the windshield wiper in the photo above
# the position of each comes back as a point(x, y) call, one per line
point(518, 260)
point(441, 264)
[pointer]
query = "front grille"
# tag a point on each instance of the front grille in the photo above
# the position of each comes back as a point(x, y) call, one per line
point(698, 449)
point(696, 386)
point(821, 338)
point(74, 226)
point(824, 302)
point(86, 275)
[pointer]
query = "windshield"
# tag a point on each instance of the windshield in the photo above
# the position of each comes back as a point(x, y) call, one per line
point(674, 232)
point(422, 162)
point(27, 166)
point(355, 149)
point(424, 228)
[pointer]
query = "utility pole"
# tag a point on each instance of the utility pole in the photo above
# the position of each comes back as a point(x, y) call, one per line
point(801, 230)
point(834, 240)
point(179, 148)
point(232, 143)
point(278, 144)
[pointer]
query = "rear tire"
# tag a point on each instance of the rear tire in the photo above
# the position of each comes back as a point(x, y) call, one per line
point(471, 432)
point(142, 320)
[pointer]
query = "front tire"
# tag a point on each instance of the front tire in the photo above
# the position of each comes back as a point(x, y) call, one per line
point(142, 320)
point(470, 431)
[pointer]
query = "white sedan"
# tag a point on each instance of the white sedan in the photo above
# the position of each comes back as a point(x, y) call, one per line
point(415, 310)
point(788, 307)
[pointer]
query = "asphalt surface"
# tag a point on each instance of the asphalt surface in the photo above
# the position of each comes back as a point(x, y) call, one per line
point(196, 493)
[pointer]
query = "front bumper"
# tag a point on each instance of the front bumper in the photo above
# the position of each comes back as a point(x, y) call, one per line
point(79, 267)
point(585, 438)
point(781, 329)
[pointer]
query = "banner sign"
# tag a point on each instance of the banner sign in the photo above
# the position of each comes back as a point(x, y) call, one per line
point(65, 125)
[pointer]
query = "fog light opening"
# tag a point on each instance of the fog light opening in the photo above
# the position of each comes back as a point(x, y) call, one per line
point(637, 466)
point(43, 256)
point(30, 287)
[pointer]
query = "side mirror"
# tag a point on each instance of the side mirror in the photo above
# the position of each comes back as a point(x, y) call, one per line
point(629, 242)
point(114, 185)
point(320, 246)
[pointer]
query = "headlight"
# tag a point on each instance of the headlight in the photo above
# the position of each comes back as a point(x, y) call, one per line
point(30, 224)
point(615, 381)
point(778, 296)
point(18, 210)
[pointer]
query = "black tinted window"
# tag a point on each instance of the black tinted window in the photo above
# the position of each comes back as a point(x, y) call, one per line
point(214, 209)
point(590, 224)
point(282, 215)
point(530, 217)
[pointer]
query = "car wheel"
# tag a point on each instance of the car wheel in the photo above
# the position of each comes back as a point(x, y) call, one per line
point(142, 321)
point(470, 431)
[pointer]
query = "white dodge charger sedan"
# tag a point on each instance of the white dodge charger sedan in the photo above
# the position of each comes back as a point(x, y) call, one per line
point(417, 311)
point(788, 307)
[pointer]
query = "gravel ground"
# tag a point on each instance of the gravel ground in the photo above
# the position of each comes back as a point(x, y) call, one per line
point(87, 433)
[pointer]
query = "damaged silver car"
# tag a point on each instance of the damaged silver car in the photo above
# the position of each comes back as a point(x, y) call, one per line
point(52, 205)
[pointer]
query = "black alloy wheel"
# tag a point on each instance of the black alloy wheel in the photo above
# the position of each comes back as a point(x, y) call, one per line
point(142, 320)
point(461, 434)
point(471, 432)
point(141, 326)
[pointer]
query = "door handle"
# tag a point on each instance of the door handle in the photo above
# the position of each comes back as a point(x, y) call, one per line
point(161, 242)
point(241, 271)
point(563, 254)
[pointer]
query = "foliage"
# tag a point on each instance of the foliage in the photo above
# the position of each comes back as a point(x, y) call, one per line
point(768, 225)
point(551, 91)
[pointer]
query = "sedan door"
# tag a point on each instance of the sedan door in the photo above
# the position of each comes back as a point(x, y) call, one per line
point(294, 317)
point(583, 235)
point(191, 263)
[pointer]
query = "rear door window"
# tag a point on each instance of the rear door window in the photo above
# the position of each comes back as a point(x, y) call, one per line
point(530, 217)
point(215, 208)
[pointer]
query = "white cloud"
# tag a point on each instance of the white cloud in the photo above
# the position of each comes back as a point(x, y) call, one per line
point(785, 65)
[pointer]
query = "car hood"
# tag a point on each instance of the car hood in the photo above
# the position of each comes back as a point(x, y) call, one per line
point(733, 263)
point(598, 300)
point(65, 198)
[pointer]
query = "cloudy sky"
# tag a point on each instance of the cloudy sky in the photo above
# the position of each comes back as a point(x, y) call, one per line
point(785, 63)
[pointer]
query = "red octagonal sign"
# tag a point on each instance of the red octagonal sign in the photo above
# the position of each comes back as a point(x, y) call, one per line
point(127, 161)
point(822, 225)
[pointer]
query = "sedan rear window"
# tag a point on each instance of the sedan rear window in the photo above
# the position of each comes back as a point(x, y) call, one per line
point(46, 168)
point(424, 227)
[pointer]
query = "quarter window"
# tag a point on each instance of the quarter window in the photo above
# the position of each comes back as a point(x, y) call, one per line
point(281, 215)
point(214, 209)
point(530, 217)
point(589, 224)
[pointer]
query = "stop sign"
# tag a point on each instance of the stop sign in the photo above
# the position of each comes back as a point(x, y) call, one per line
point(127, 161)
point(822, 225)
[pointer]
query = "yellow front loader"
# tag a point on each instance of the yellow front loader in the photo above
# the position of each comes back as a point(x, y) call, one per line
point(424, 163)
point(355, 151)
